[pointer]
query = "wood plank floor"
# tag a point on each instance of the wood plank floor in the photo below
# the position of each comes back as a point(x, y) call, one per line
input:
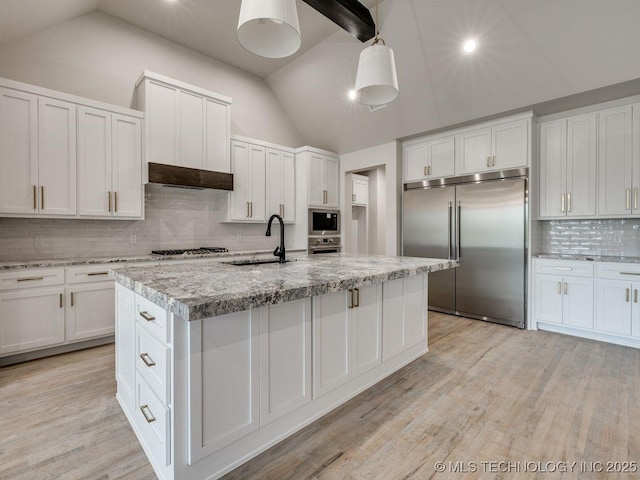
point(484, 393)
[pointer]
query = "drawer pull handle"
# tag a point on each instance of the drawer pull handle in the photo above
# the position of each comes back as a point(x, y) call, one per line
point(35, 195)
point(148, 361)
point(559, 288)
point(61, 301)
point(635, 295)
point(30, 279)
point(41, 198)
point(72, 302)
point(626, 294)
point(562, 202)
point(351, 295)
point(566, 288)
point(629, 273)
point(628, 205)
point(115, 202)
point(148, 416)
point(109, 196)
point(147, 317)
point(93, 274)
point(564, 269)
point(357, 304)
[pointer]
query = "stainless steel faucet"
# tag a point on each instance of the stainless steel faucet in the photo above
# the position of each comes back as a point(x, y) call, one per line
point(279, 251)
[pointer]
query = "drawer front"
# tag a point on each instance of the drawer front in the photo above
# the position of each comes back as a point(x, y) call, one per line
point(152, 362)
point(152, 419)
point(88, 273)
point(29, 278)
point(629, 272)
point(566, 268)
point(152, 318)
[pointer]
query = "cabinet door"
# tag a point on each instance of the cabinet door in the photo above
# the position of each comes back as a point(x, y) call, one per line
point(57, 156)
point(440, 155)
point(275, 181)
point(217, 136)
point(192, 136)
point(31, 318)
point(635, 204)
point(315, 180)
point(414, 162)
point(289, 187)
point(127, 167)
point(581, 165)
point(472, 151)
point(577, 305)
point(18, 152)
point(258, 173)
point(90, 310)
point(635, 310)
point(161, 123)
point(239, 198)
point(360, 189)
point(553, 169)
point(510, 145)
point(331, 342)
point(125, 340)
point(614, 300)
point(332, 181)
point(548, 298)
point(285, 358)
point(94, 162)
point(614, 161)
point(366, 328)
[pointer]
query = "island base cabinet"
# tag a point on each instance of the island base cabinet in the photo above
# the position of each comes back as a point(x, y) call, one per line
point(125, 347)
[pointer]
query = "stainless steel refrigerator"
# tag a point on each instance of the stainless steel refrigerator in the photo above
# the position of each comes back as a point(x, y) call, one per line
point(481, 220)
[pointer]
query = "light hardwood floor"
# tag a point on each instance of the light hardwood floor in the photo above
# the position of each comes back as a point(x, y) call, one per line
point(484, 393)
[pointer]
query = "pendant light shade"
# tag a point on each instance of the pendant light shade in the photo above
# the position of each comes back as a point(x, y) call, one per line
point(376, 80)
point(269, 28)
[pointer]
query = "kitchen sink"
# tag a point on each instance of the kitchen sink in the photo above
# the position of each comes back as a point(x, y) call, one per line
point(254, 261)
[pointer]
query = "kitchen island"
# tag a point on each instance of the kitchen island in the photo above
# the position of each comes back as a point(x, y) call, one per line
point(216, 362)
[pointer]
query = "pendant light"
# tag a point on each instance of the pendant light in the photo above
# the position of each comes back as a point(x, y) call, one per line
point(376, 80)
point(269, 28)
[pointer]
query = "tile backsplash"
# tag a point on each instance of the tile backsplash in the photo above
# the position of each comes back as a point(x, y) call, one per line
point(611, 237)
point(174, 218)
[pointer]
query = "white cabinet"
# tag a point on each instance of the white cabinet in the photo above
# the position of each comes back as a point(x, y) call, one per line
point(428, 158)
point(90, 311)
point(564, 300)
point(247, 201)
point(125, 326)
point(185, 125)
point(109, 165)
point(615, 303)
point(37, 154)
point(617, 193)
point(323, 181)
point(568, 167)
point(498, 147)
point(365, 316)
point(359, 190)
point(281, 175)
point(404, 314)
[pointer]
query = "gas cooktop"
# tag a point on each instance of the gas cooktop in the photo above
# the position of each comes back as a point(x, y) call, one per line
point(191, 251)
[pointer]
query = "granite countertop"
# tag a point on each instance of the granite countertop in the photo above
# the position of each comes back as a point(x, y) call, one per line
point(67, 262)
point(206, 289)
point(589, 258)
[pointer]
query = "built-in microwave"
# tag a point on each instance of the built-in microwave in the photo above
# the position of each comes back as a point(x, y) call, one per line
point(324, 222)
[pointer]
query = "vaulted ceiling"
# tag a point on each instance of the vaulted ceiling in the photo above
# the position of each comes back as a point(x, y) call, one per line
point(530, 51)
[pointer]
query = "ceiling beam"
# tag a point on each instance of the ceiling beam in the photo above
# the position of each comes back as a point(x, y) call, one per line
point(350, 15)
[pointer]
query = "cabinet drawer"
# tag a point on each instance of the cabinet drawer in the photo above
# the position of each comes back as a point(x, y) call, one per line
point(18, 279)
point(88, 273)
point(629, 272)
point(566, 268)
point(152, 362)
point(152, 318)
point(152, 420)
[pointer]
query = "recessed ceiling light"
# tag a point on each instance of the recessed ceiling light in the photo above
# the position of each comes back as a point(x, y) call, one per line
point(469, 46)
point(352, 94)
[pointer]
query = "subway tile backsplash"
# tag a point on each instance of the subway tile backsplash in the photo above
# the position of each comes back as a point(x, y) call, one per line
point(614, 237)
point(174, 218)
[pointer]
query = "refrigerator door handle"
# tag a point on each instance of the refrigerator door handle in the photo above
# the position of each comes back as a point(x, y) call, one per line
point(458, 248)
point(449, 236)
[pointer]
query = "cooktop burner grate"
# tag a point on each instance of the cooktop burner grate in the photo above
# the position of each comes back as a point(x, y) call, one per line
point(190, 251)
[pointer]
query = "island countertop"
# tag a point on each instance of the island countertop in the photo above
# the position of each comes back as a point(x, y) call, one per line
point(206, 289)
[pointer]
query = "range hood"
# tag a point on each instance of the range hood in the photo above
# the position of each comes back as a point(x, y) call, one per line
point(196, 178)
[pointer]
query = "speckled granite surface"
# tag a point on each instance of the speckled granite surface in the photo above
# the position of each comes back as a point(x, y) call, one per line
point(124, 259)
point(206, 289)
point(590, 258)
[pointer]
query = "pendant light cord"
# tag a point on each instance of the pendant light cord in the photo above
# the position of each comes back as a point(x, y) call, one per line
point(377, 38)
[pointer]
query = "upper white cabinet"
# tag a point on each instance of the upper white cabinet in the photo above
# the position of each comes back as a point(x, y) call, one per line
point(323, 181)
point(185, 125)
point(428, 158)
point(281, 176)
point(617, 194)
point(248, 165)
point(359, 190)
point(568, 167)
point(109, 164)
point(65, 156)
point(496, 147)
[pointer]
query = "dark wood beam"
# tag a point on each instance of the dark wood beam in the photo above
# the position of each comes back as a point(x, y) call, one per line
point(350, 15)
point(189, 177)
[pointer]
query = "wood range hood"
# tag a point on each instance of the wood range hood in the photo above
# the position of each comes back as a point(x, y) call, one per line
point(184, 177)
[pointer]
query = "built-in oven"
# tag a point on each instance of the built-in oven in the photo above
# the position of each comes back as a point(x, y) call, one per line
point(324, 222)
point(324, 244)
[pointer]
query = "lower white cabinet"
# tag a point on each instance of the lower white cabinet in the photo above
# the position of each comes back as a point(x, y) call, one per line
point(90, 311)
point(126, 342)
point(564, 300)
point(615, 304)
point(366, 328)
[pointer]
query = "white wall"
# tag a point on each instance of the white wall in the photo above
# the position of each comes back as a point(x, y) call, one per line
point(99, 57)
point(367, 159)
